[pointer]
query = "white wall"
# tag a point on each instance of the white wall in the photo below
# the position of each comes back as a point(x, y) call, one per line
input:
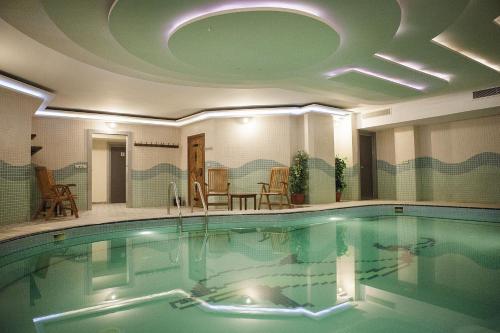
point(425, 109)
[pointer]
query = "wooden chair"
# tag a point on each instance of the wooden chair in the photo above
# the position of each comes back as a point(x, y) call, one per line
point(278, 185)
point(53, 195)
point(217, 186)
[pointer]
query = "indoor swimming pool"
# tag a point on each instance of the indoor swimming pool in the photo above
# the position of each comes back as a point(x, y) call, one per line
point(368, 269)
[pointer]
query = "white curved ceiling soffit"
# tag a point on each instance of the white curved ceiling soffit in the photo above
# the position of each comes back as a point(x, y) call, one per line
point(252, 52)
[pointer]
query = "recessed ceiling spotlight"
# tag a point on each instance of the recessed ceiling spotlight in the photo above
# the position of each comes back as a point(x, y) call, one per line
point(341, 71)
point(471, 55)
point(415, 67)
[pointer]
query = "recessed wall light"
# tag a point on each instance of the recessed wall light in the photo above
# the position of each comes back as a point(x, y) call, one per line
point(414, 66)
point(471, 55)
point(341, 71)
point(111, 125)
point(497, 20)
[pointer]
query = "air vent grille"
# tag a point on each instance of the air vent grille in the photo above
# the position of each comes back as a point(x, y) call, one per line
point(486, 92)
point(378, 113)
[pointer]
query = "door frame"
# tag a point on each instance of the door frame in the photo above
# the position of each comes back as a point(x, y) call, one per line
point(128, 163)
point(189, 138)
point(374, 162)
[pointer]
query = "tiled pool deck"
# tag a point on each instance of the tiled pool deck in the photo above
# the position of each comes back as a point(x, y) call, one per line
point(107, 213)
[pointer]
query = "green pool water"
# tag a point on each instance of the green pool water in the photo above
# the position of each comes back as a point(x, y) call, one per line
point(336, 274)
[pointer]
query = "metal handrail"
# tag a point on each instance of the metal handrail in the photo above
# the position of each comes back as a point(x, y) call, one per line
point(177, 202)
point(202, 197)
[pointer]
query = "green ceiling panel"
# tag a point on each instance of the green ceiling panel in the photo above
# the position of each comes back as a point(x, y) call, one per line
point(254, 44)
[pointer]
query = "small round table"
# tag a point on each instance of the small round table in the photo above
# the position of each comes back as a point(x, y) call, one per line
point(243, 196)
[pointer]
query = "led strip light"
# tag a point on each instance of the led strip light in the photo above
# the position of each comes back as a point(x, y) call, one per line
point(341, 71)
point(248, 5)
point(241, 113)
point(26, 89)
point(415, 67)
point(42, 111)
point(230, 309)
point(471, 55)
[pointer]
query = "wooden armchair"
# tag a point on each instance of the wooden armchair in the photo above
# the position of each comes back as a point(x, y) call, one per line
point(54, 196)
point(217, 186)
point(278, 185)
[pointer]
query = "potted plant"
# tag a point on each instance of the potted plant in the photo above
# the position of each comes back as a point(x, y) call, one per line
point(340, 184)
point(298, 177)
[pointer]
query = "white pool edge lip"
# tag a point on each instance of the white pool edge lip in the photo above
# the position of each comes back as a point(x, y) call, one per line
point(15, 231)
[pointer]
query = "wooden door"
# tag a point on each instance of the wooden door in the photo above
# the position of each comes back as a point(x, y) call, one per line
point(366, 166)
point(118, 177)
point(196, 166)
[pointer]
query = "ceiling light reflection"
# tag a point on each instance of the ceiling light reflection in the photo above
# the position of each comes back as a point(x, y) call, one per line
point(230, 309)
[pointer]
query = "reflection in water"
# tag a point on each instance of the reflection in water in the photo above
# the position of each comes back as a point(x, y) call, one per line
point(399, 270)
point(109, 265)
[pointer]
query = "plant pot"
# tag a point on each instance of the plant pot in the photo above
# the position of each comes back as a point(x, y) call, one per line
point(298, 198)
point(338, 196)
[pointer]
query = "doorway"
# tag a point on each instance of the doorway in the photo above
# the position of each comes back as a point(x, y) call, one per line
point(196, 166)
point(108, 158)
point(367, 163)
point(117, 189)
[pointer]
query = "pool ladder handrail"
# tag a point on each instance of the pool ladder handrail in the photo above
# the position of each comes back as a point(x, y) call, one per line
point(197, 185)
point(177, 203)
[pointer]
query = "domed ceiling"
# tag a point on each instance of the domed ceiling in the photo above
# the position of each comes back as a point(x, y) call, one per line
point(170, 58)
